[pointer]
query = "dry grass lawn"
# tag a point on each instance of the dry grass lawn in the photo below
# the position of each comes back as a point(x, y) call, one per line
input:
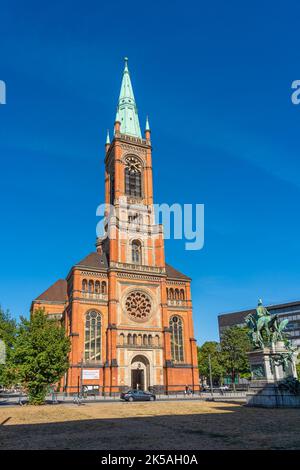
point(162, 425)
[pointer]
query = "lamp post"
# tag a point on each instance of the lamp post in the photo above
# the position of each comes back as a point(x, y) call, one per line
point(81, 375)
point(210, 377)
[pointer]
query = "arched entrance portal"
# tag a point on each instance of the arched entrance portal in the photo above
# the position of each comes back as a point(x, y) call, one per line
point(140, 373)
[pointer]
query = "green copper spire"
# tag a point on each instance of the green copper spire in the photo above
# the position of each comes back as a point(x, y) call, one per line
point(107, 137)
point(126, 110)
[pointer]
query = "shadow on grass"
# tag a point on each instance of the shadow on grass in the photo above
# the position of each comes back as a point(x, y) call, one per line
point(227, 428)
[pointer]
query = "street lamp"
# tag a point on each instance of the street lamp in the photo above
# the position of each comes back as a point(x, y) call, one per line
point(210, 377)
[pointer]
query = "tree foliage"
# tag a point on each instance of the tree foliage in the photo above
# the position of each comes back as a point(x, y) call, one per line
point(235, 344)
point(40, 355)
point(8, 330)
point(212, 349)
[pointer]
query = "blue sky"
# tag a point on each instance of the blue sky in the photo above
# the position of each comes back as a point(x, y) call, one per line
point(215, 79)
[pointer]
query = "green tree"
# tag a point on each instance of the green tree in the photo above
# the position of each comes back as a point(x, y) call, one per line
point(8, 330)
point(235, 343)
point(212, 349)
point(40, 355)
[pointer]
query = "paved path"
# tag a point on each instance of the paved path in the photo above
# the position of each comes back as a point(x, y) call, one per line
point(14, 400)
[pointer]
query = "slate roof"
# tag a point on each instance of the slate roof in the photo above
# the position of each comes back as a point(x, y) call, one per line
point(174, 274)
point(55, 293)
point(94, 260)
point(58, 291)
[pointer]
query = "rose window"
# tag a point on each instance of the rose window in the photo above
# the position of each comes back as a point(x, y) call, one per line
point(138, 306)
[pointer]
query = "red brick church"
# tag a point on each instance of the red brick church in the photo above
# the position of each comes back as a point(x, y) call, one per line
point(128, 313)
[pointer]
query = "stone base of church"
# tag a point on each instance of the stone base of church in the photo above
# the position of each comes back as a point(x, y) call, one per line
point(103, 381)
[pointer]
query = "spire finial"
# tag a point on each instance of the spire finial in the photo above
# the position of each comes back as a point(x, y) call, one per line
point(147, 127)
point(107, 138)
point(126, 64)
point(118, 116)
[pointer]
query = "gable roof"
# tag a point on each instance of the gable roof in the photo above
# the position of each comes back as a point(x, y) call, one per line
point(174, 274)
point(94, 260)
point(55, 293)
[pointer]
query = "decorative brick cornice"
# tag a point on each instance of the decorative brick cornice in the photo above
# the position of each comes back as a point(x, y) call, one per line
point(87, 271)
point(94, 272)
point(179, 307)
point(49, 302)
point(137, 267)
point(133, 143)
point(140, 346)
point(90, 301)
point(174, 283)
point(138, 276)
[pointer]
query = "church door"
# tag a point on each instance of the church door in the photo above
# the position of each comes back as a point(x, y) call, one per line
point(137, 379)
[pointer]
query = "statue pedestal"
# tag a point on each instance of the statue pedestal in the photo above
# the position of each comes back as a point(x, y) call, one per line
point(265, 376)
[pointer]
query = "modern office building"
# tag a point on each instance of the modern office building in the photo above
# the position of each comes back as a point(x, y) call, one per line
point(290, 311)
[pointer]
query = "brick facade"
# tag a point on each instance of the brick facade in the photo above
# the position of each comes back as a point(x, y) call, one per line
point(134, 295)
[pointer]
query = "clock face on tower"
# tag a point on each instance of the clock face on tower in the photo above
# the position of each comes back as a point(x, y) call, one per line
point(133, 176)
point(138, 306)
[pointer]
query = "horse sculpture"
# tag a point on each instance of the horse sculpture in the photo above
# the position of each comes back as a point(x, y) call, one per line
point(264, 327)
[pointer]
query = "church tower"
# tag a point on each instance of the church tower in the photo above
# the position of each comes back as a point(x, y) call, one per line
point(127, 312)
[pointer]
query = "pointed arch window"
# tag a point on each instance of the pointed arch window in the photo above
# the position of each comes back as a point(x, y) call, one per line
point(133, 177)
point(176, 338)
point(136, 252)
point(92, 342)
